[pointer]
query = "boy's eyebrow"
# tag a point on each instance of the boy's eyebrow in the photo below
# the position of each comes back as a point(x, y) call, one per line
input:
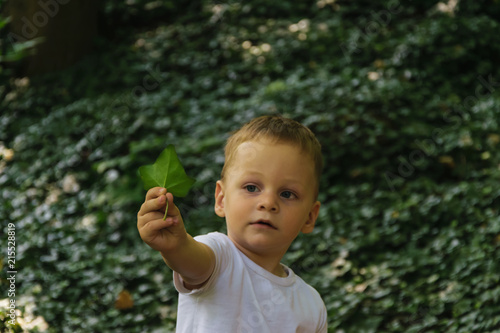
point(288, 180)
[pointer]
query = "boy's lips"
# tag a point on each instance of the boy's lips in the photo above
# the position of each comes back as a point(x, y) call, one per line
point(263, 224)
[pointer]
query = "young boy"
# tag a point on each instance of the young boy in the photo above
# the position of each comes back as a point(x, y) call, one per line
point(268, 195)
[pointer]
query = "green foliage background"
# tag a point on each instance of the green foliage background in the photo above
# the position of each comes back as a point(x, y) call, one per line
point(404, 97)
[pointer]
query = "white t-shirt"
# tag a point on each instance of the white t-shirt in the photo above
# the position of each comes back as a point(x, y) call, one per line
point(242, 297)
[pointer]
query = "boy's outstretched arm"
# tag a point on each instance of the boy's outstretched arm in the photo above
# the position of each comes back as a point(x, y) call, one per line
point(193, 260)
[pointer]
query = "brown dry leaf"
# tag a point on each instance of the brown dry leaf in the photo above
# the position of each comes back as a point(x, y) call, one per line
point(355, 173)
point(124, 300)
point(493, 139)
point(379, 63)
point(447, 160)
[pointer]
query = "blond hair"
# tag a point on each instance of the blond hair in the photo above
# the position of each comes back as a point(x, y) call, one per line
point(278, 129)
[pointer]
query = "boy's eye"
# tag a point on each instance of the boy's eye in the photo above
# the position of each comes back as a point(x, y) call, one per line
point(287, 195)
point(251, 188)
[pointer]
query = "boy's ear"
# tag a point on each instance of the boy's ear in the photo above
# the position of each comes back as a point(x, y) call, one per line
point(219, 199)
point(311, 218)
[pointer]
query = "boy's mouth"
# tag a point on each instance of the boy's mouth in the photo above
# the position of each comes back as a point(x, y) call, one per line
point(263, 224)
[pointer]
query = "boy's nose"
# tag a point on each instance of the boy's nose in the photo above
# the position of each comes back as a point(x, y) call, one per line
point(268, 203)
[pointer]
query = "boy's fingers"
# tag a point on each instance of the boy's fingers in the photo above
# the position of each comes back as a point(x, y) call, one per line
point(155, 204)
point(155, 192)
point(157, 224)
point(147, 217)
point(159, 204)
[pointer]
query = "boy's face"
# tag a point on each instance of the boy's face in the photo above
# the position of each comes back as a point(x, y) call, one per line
point(267, 197)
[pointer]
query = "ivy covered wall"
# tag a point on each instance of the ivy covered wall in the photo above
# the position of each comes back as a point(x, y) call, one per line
point(403, 95)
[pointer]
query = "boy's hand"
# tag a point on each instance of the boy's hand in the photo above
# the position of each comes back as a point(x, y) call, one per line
point(160, 235)
point(194, 261)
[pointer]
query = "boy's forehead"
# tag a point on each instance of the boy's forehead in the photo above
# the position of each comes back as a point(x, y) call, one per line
point(253, 148)
point(248, 149)
point(262, 152)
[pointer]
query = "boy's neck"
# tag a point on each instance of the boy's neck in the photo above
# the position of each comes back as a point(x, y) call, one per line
point(271, 263)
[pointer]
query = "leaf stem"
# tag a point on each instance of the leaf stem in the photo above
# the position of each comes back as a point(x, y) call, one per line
point(166, 210)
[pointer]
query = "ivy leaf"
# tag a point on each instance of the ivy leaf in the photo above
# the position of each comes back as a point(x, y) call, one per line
point(167, 172)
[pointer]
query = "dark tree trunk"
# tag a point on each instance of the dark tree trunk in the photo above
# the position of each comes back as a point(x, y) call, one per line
point(67, 27)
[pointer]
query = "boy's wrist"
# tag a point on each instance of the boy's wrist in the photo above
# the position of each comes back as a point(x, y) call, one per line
point(190, 259)
point(181, 242)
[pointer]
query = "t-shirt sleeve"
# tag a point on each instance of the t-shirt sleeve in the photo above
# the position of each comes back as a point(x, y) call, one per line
point(323, 328)
point(218, 242)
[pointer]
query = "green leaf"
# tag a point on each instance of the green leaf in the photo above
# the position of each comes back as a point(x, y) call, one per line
point(167, 172)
